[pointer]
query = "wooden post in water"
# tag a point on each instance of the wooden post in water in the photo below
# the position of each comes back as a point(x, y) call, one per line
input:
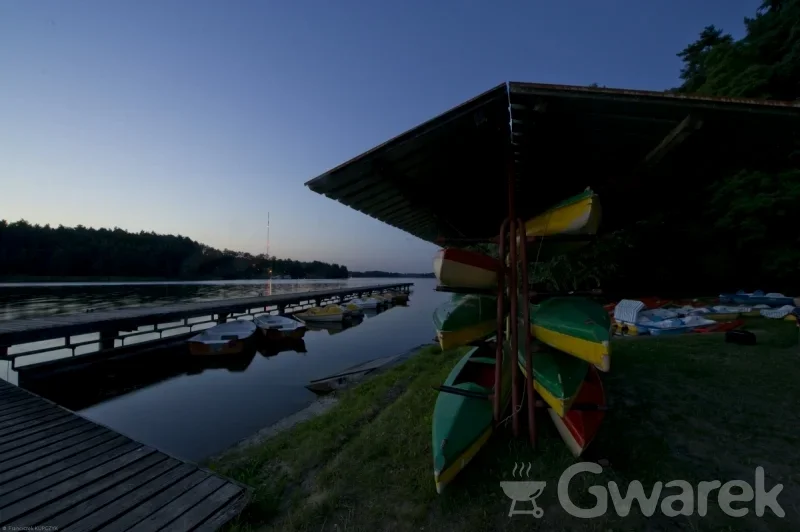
point(107, 339)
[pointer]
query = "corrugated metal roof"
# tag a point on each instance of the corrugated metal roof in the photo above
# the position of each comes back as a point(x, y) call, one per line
point(448, 177)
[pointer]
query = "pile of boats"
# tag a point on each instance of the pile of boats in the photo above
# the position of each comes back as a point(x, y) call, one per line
point(570, 347)
point(234, 337)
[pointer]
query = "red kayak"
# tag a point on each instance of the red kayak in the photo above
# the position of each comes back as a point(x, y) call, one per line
point(465, 269)
point(579, 426)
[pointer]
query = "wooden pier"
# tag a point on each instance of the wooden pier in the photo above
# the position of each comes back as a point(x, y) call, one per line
point(114, 327)
point(59, 471)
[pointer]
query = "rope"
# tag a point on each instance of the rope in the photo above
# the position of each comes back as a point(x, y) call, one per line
point(521, 401)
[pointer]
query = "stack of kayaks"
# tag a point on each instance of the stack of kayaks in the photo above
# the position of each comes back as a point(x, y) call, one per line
point(570, 343)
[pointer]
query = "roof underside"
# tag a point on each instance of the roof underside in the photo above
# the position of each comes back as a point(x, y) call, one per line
point(447, 178)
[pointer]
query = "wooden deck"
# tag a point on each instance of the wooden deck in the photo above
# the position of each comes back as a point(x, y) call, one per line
point(13, 332)
point(59, 471)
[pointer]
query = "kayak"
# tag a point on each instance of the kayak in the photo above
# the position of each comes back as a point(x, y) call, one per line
point(578, 215)
point(574, 325)
point(578, 427)
point(465, 269)
point(224, 339)
point(462, 425)
point(465, 319)
point(556, 377)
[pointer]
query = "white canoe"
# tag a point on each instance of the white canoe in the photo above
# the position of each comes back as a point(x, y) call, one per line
point(223, 339)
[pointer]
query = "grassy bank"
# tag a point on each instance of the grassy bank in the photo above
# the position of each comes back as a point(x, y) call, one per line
point(688, 407)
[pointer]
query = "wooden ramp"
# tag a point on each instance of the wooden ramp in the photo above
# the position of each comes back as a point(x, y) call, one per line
point(59, 471)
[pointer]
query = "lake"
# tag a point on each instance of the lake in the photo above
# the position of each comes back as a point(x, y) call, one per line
point(162, 400)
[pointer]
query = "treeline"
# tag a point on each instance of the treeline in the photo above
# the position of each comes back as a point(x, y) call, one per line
point(28, 250)
point(375, 274)
point(743, 231)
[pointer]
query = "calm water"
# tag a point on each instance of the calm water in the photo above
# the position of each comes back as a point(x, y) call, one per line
point(192, 411)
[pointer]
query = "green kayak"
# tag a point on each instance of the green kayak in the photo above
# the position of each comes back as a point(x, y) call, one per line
point(465, 319)
point(462, 425)
point(575, 325)
point(556, 377)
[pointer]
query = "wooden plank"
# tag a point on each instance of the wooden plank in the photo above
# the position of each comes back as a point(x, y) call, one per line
point(10, 474)
point(36, 481)
point(12, 397)
point(179, 506)
point(125, 503)
point(70, 424)
point(225, 495)
point(26, 410)
point(59, 491)
point(69, 493)
point(7, 410)
point(36, 429)
point(88, 507)
point(44, 442)
point(48, 450)
point(224, 515)
point(22, 426)
point(151, 505)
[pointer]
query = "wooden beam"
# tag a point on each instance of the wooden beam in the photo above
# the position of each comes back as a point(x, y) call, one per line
point(674, 138)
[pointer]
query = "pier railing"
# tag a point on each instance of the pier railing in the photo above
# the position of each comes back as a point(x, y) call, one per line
point(125, 328)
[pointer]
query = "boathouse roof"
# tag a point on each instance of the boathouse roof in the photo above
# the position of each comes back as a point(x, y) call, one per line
point(447, 178)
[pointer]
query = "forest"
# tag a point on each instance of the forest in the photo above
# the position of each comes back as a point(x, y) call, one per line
point(746, 235)
point(29, 251)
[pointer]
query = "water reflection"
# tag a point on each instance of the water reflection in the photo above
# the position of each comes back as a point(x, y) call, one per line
point(195, 408)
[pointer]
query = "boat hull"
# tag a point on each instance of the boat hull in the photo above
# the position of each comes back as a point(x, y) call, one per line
point(325, 318)
point(557, 377)
point(233, 347)
point(461, 426)
point(577, 215)
point(578, 427)
point(465, 319)
point(465, 269)
point(229, 338)
point(576, 326)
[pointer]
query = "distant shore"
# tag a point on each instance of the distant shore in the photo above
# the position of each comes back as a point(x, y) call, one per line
point(123, 279)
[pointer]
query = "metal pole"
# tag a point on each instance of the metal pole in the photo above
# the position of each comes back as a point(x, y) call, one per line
point(526, 322)
point(498, 360)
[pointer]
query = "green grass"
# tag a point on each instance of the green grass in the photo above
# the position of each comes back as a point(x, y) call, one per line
point(689, 407)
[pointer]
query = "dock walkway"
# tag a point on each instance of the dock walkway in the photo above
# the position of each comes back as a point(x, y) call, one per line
point(60, 471)
point(108, 324)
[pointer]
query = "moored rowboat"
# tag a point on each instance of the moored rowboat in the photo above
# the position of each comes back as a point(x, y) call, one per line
point(223, 339)
point(278, 327)
point(465, 269)
point(462, 424)
point(331, 313)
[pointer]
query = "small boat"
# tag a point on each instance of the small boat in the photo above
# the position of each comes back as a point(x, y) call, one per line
point(368, 303)
point(465, 319)
point(578, 215)
point(557, 377)
point(382, 302)
point(574, 325)
point(465, 269)
point(277, 327)
point(578, 426)
point(330, 313)
point(397, 298)
point(351, 309)
point(757, 298)
point(224, 339)
point(463, 419)
point(347, 376)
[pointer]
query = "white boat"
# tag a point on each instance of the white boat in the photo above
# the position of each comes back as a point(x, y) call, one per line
point(277, 327)
point(223, 339)
point(330, 313)
point(352, 309)
point(369, 303)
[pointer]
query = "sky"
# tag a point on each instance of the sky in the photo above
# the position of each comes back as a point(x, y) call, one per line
point(199, 117)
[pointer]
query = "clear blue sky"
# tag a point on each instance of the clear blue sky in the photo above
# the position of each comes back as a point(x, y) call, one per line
point(198, 117)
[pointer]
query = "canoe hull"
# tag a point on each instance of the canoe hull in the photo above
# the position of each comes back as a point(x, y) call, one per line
point(578, 427)
point(461, 426)
point(465, 319)
point(576, 326)
point(558, 377)
point(578, 215)
point(465, 269)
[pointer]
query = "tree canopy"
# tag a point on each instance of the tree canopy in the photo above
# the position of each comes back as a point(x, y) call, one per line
point(32, 250)
point(743, 232)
